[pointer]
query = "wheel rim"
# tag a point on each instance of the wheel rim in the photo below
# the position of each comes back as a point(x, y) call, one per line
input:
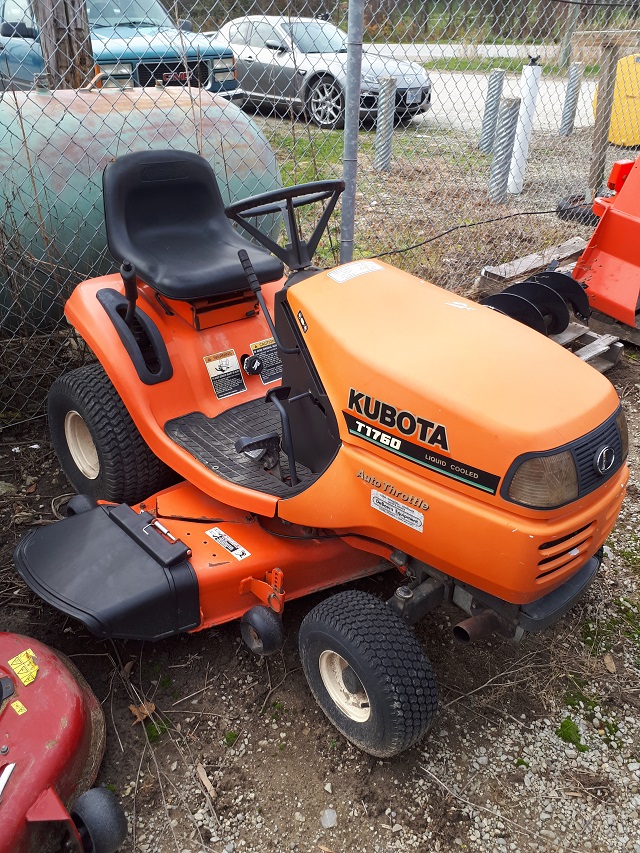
point(326, 103)
point(81, 445)
point(354, 704)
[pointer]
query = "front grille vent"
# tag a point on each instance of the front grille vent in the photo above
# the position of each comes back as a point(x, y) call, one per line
point(584, 452)
point(561, 553)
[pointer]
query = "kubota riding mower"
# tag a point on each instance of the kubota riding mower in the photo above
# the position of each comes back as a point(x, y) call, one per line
point(322, 426)
point(51, 745)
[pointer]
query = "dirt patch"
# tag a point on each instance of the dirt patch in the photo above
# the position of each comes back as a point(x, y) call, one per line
point(237, 757)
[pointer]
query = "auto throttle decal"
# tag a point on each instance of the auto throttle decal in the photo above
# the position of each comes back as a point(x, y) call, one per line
point(426, 434)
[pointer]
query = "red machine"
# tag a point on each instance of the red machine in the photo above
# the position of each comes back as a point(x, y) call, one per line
point(51, 745)
point(609, 267)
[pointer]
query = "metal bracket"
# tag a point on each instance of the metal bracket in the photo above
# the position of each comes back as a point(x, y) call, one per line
point(270, 591)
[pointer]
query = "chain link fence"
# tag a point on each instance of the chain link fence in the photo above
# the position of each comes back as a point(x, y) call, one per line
point(260, 90)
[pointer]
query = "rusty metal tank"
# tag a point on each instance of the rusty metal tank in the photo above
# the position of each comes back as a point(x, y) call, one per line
point(53, 149)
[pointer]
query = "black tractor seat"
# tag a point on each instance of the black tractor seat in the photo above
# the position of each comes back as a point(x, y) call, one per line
point(164, 213)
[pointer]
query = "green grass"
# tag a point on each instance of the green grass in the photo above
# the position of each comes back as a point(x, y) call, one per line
point(570, 733)
point(480, 65)
point(156, 730)
point(230, 738)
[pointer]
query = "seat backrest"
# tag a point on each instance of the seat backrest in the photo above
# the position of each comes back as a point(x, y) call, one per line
point(164, 212)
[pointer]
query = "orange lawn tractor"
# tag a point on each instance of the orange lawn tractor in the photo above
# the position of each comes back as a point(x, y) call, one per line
point(247, 438)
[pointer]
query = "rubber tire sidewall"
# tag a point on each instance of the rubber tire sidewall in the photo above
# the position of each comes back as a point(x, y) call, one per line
point(129, 472)
point(383, 734)
point(59, 405)
point(99, 811)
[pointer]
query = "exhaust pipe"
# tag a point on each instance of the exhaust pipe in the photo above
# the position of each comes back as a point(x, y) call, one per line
point(477, 627)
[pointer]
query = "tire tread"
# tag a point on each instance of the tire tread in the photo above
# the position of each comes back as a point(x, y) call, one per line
point(392, 652)
point(129, 470)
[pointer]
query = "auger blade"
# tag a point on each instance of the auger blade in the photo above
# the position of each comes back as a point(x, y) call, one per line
point(548, 301)
point(569, 289)
point(518, 308)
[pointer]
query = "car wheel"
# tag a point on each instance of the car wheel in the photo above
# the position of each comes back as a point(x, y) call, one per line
point(325, 103)
point(368, 673)
point(98, 445)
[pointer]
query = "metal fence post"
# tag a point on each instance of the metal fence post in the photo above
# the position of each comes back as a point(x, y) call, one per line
point(503, 148)
point(571, 99)
point(491, 107)
point(572, 13)
point(602, 124)
point(384, 122)
point(355, 32)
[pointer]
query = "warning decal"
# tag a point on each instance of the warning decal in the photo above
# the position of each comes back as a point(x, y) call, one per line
point(228, 543)
point(24, 666)
point(19, 708)
point(271, 364)
point(394, 509)
point(225, 374)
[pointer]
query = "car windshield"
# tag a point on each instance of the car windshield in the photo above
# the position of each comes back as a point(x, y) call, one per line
point(316, 37)
point(135, 13)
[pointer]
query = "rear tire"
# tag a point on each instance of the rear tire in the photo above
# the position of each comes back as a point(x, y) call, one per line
point(98, 445)
point(100, 821)
point(368, 673)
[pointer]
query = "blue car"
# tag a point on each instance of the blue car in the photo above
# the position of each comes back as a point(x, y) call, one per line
point(133, 41)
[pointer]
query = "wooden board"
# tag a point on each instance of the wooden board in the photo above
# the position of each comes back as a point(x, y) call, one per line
point(600, 351)
point(493, 279)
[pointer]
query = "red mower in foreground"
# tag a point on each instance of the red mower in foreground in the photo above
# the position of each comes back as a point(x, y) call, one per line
point(248, 438)
point(51, 745)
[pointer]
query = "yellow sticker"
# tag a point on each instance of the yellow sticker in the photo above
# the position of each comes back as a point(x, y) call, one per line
point(24, 667)
point(18, 707)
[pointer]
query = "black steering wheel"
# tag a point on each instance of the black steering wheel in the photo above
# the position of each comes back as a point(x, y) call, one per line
point(298, 253)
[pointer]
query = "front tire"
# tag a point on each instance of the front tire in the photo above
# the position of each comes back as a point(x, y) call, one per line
point(368, 673)
point(97, 443)
point(325, 103)
point(100, 821)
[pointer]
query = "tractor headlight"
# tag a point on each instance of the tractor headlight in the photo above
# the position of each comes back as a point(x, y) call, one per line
point(546, 481)
point(621, 423)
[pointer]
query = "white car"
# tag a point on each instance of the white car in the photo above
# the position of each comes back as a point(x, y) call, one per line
point(302, 62)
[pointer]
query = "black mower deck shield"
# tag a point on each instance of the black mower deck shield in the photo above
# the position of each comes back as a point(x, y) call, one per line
point(111, 569)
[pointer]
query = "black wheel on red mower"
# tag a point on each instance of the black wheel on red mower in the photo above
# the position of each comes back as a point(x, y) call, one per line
point(100, 821)
point(368, 673)
point(98, 445)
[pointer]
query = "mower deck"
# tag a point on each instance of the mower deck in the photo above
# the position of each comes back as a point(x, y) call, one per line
point(114, 569)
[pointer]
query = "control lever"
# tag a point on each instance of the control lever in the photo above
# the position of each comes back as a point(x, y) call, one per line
point(254, 284)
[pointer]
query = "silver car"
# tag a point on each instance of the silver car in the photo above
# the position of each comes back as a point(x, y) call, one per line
point(302, 62)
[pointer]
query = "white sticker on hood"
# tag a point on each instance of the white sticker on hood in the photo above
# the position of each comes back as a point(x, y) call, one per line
point(353, 270)
point(394, 509)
